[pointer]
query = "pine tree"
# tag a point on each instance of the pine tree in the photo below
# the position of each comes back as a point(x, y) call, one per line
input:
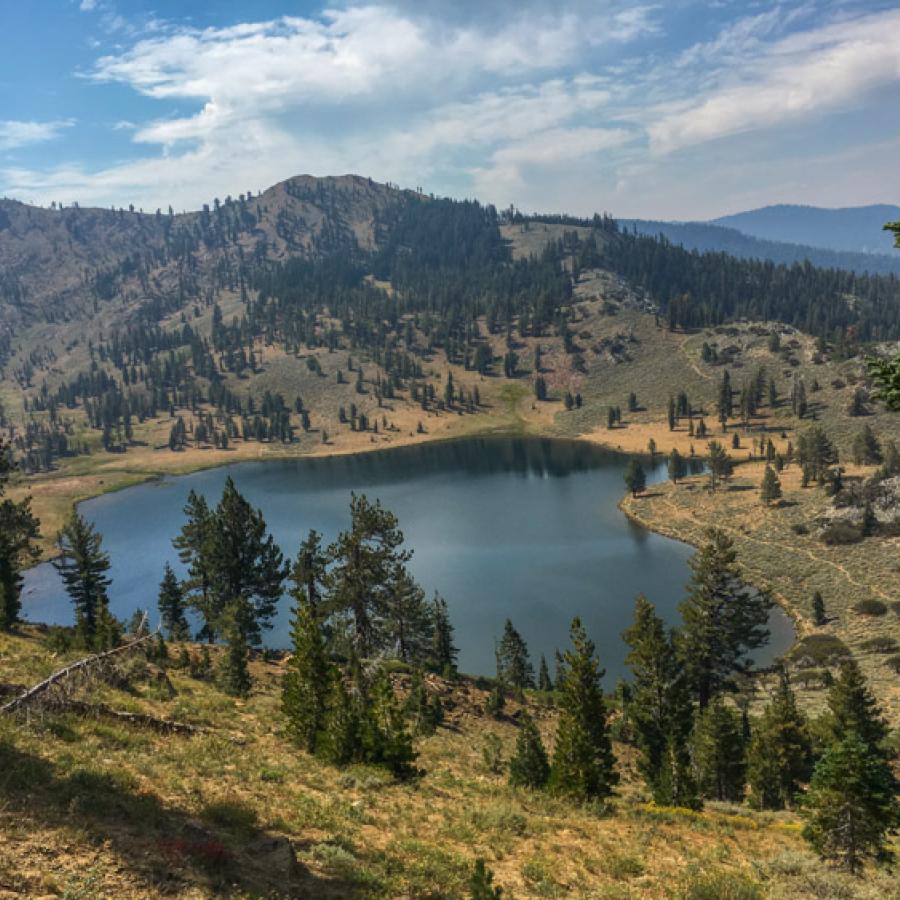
point(635, 477)
point(309, 571)
point(583, 763)
point(366, 560)
point(677, 467)
point(818, 605)
point(193, 546)
point(18, 532)
point(83, 565)
point(408, 619)
point(443, 652)
point(308, 679)
point(852, 707)
point(171, 607)
point(244, 565)
point(340, 740)
point(659, 708)
point(544, 682)
point(771, 486)
point(851, 804)
point(720, 464)
point(234, 673)
point(387, 740)
point(718, 752)
point(779, 759)
point(529, 766)
point(513, 662)
point(723, 619)
point(867, 448)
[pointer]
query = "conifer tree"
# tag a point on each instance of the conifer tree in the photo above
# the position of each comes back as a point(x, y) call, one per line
point(677, 467)
point(851, 804)
point(818, 605)
point(309, 571)
point(529, 766)
point(867, 448)
point(306, 684)
point(659, 708)
point(779, 758)
point(635, 477)
point(583, 763)
point(18, 532)
point(171, 607)
point(244, 565)
point(340, 740)
point(82, 565)
point(408, 619)
point(366, 559)
point(513, 662)
point(722, 619)
point(718, 752)
point(771, 486)
point(852, 707)
point(387, 740)
point(720, 464)
point(193, 546)
point(234, 673)
point(544, 682)
point(443, 652)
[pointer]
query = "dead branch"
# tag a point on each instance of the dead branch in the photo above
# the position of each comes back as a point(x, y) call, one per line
point(101, 710)
point(97, 659)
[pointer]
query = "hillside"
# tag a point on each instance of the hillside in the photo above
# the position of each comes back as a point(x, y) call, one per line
point(94, 807)
point(704, 236)
point(855, 229)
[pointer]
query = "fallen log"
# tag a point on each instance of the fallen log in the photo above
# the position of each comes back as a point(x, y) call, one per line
point(81, 665)
point(82, 707)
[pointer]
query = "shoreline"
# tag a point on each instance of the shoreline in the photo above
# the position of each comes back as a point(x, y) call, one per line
point(512, 430)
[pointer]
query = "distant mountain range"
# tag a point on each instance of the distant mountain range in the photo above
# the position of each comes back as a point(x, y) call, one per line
point(857, 229)
point(851, 238)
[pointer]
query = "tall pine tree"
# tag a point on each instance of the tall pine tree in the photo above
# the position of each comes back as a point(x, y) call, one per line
point(583, 763)
point(18, 533)
point(723, 619)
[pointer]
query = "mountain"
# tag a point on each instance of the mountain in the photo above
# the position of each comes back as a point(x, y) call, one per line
point(858, 229)
point(704, 236)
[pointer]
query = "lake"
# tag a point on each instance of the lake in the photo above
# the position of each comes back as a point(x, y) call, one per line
point(519, 528)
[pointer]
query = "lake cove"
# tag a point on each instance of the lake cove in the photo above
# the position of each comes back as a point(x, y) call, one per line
point(519, 528)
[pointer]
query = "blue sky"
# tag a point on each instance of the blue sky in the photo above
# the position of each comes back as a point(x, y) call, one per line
point(671, 110)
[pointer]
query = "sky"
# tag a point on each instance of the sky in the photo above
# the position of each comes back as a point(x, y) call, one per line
point(671, 110)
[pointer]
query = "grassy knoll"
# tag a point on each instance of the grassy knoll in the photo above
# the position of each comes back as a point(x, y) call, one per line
point(89, 808)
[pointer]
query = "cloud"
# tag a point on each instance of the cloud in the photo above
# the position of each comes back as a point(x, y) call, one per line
point(797, 76)
point(14, 134)
point(88, 5)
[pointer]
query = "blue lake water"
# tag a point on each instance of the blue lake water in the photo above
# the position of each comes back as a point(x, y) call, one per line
point(526, 529)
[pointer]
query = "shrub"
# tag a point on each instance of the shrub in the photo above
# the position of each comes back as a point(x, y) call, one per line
point(880, 645)
point(841, 533)
point(893, 663)
point(799, 528)
point(492, 753)
point(720, 885)
point(622, 866)
point(818, 651)
point(870, 607)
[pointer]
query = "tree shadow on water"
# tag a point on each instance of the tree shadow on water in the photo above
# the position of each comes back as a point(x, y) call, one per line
point(164, 848)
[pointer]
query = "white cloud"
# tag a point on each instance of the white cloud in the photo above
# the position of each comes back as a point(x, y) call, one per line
point(805, 73)
point(88, 5)
point(14, 134)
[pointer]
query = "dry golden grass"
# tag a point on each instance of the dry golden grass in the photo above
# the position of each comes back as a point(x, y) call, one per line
point(88, 808)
